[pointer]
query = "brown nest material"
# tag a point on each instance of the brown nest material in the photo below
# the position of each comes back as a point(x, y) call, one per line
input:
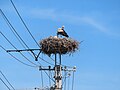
point(56, 45)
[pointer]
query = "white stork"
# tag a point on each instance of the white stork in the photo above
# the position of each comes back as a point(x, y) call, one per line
point(61, 31)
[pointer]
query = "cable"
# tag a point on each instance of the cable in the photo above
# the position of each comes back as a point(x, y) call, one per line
point(5, 84)
point(13, 29)
point(21, 53)
point(64, 81)
point(58, 63)
point(16, 34)
point(7, 80)
point(16, 49)
point(68, 83)
point(42, 78)
point(25, 63)
point(47, 74)
point(45, 61)
point(23, 22)
point(49, 78)
point(73, 81)
point(17, 58)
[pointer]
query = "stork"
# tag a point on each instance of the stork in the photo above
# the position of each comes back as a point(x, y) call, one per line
point(62, 32)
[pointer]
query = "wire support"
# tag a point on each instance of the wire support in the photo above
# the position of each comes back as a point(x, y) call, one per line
point(17, 58)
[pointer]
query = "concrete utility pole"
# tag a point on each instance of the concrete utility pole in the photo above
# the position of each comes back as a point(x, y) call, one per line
point(58, 73)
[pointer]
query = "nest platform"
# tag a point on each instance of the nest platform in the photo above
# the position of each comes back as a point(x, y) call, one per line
point(56, 45)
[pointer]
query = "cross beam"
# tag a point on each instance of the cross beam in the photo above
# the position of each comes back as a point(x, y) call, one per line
point(31, 50)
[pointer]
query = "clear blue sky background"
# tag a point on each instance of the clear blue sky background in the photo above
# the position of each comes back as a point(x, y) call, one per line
point(97, 22)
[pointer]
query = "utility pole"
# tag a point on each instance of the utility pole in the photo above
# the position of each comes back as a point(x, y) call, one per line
point(58, 73)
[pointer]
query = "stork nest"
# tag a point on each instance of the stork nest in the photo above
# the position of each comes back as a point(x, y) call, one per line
point(56, 45)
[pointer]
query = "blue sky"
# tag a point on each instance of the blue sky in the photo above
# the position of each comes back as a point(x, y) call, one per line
point(97, 22)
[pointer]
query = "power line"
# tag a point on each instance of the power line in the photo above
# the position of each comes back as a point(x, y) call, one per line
point(22, 42)
point(65, 80)
point(42, 78)
point(5, 84)
point(68, 83)
point(58, 63)
point(45, 61)
point(20, 52)
point(27, 64)
point(49, 78)
point(46, 73)
point(27, 29)
point(13, 29)
point(73, 81)
point(7, 80)
point(23, 22)
point(17, 35)
point(16, 48)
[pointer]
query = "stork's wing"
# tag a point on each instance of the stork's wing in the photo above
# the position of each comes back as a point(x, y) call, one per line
point(65, 34)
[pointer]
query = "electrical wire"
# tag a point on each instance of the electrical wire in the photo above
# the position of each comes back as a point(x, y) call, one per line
point(49, 78)
point(16, 48)
point(17, 58)
point(26, 27)
point(45, 61)
point(58, 63)
point(23, 22)
point(7, 80)
point(26, 64)
point(22, 54)
point(28, 32)
point(73, 81)
point(13, 29)
point(5, 84)
point(65, 81)
point(46, 73)
point(17, 35)
point(21, 41)
point(68, 83)
point(42, 79)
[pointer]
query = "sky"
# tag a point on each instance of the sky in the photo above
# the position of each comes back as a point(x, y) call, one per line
point(96, 22)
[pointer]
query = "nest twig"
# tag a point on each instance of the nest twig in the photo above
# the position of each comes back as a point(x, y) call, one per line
point(56, 45)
